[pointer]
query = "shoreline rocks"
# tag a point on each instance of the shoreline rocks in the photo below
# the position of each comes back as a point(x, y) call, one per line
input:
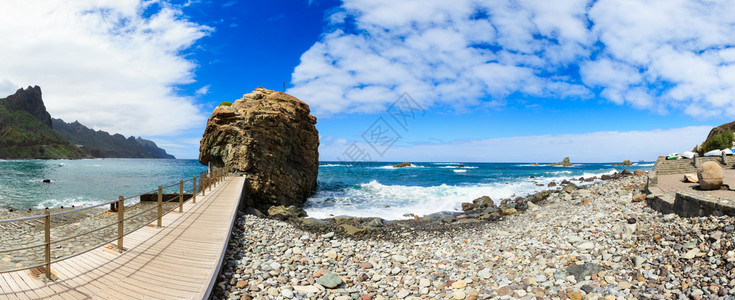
point(609, 248)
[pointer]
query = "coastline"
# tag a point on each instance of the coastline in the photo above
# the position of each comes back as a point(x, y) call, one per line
point(380, 189)
point(566, 247)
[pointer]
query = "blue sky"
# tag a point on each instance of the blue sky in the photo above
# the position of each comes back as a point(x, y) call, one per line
point(496, 80)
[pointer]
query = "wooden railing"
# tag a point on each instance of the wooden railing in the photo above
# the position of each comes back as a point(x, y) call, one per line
point(207, 181)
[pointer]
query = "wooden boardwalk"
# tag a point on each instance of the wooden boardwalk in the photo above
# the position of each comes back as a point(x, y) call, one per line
point(178, 261)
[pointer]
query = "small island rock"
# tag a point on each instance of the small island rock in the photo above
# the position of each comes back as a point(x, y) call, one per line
point(564, 163)
point(403, 165)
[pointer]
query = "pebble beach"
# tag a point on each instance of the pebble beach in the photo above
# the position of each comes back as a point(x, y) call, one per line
point(596, 242)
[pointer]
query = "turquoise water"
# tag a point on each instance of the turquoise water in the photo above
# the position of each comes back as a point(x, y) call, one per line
point(87, 181)
point(368, 189)
point(356, 189)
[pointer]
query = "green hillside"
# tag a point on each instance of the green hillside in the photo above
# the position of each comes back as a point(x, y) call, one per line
point(27, 131)
point(24, 136)
point(97, 143)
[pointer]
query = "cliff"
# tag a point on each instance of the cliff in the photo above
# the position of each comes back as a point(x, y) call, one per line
point(271, 136)
point(717, 140)
point(100, 144)
point(30, 101)
point(25, 132)
point(720, 129)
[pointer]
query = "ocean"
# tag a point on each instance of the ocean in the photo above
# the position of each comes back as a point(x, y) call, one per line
point(370, 189)
point(362, 189)
point(86, 181)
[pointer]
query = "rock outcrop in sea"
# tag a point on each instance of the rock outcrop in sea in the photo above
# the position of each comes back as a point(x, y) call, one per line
point(563, 163)
point(271, 137)
point(625, 163)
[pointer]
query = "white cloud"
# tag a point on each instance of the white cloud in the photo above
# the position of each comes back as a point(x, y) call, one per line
point(440, 52)
point(7, 88)
point(655, 55)
point(102, 62)
point(684, 49)
point(604, 146)
point(203, 90)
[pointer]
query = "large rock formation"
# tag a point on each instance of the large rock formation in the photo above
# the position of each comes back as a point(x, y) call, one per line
point(271, 136)
point(29, 100)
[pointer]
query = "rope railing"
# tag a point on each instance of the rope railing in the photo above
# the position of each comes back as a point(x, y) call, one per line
point(99, 236)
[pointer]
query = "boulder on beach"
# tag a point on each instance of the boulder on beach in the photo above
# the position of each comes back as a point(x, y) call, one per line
point(403, 165)
point(564, 163)
point(468, 206)
point(639, 172)
point(710, 176)
point(639, 198)
point(484, 201)
point(610, 177)
point(272, 137)
point(691, 178)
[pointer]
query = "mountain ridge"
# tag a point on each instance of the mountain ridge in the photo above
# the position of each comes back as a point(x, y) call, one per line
point(27, 131)
point(98, 143)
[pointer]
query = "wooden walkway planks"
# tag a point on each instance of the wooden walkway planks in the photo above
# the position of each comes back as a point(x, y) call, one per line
point(179, 261)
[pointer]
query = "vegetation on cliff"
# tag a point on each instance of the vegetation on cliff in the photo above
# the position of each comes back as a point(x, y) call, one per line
point(719, 141)
point(720, 137)
point(23, 136)
point(28, 132)
point(97, 143)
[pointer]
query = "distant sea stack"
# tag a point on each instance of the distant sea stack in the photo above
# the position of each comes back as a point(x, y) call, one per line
point(564, 163)
point(272, 137)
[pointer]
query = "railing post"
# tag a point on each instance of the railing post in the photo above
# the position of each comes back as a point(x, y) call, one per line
point(160, 204)
point(47, 234)
point(194, 191)
point(203, 183)
point(181, 196)
point(120, 222)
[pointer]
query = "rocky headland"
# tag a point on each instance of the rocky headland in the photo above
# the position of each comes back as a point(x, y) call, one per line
point(270, 136)
point(27, 131)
